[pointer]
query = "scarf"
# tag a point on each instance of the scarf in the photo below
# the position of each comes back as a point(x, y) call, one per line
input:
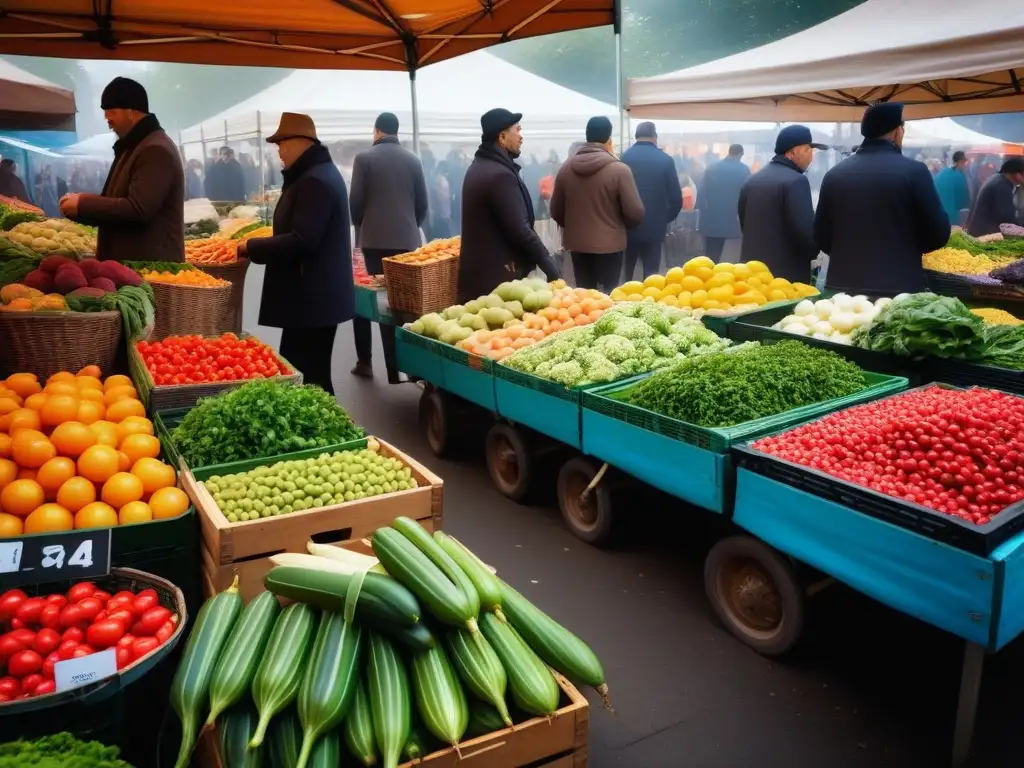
point(123, 147)
point(315, 155)
point(497, 154)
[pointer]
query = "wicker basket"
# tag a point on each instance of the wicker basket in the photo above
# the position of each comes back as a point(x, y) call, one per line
point(422, 288)
point(187, 309)
point(234, 274)
point(44, 343)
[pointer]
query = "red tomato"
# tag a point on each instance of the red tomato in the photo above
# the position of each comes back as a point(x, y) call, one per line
point(29, 611)
point(10, 686)
point(122, 600)
point(101, 616)
point(144, 645)
point(47, 641)
point(10, 646)
point(90, 607)
point(102, 596)
point(74, 633)
point(4, 698)
point(45, 687)
point(67, 649)
point(124, 657)
point(59, 600)
point(24, 663)
point(82, 650)
point(50, 616)
point(145, 600)
point(81, 591)
point(104, 634)
point(9, 603)
point(125, 617)
point(17, 623)
point(26, 636)
point(29, 683)
point(48, 664)
point(126, 641)
point(153, 619)
point(164, 633)
point(74, 616)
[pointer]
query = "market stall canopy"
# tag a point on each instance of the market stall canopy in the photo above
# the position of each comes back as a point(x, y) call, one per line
point(944, 132)
point(30, 103)
point(938, 57)
point(313, 34)
point(99, 147)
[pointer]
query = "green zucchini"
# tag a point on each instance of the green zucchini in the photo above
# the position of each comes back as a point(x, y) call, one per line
point(418, 637)
point(483, 719)
point(329, 682)
point(285, 738)
point(415, 746)
point(440, 699)
point(440, 595)
point(534, 688)
point(420, 539)
point(358, 728)
point(243, 650)
point(390, 699)
point(556, 645)
point(191, 686)
point(480, 669)
point(327, 752)
point(280, 672)
point(235, 727)
point(487, 585)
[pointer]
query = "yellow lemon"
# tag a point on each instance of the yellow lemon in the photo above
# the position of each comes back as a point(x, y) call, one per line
point(740, 286)
point(698, 298)
point(633, 286)
point(805, 290)
point(757, 266)
point(742, 271)
point(635, 297)
point(776, 294)
point(712, 304)
point(672, 289)
point(692, 283)
point(724, 266)
point(683, 299)
point(793, 293)
point(704, 273)
point(655, 281)
point(669, 301)
point(778, 283)
point(754, 281)
point(618, 295)
point(696, 263)
point(721, 293)
point(722, 278)
point(754, 297)
point(675, 275)
point(654, 293)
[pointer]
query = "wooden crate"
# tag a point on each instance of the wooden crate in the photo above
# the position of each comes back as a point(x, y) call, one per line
point(245, 548)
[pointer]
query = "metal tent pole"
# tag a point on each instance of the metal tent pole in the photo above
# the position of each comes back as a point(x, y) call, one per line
point(260, 155)
point(415, 112)
point(620, 89)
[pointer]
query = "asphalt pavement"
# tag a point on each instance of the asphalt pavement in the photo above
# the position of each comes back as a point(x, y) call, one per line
point(866, 687)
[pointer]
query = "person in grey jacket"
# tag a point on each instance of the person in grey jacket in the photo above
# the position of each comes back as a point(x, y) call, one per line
point(717, 198)
point(995, 203)
point(775, 208)
point(389, 205)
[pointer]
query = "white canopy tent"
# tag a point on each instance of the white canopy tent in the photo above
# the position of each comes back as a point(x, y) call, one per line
point(98, 147)
point(937, 57)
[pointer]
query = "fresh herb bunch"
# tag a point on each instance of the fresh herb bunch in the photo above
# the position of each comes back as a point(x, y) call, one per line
point(135, 303)
point(261, 419)
point(748, 382)
point(159, 266)
point(61, 750)
point(996, 249)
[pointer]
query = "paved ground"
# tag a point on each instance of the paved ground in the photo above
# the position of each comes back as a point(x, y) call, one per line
point(867, 687)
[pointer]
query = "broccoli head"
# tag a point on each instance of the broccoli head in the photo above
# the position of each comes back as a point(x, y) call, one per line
point(655, 316)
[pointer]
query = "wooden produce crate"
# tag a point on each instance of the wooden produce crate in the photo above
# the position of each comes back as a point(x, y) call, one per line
point(245, 548)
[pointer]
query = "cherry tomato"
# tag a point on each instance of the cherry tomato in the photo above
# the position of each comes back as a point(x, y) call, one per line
point(123, 656)
point(145, 600)
point(153, 619)
point(164, 633)
point(104, 634)
point(90, 607)
point(10, 646)
point(10, 686)
point(17, 623)
point(77, 634)
point(125, 617)
point(144, 645)
point(47, 641)
point(126, 641)
point(9, 604)
point(50, 616)
point(45, 687)
point(30, 610)
point(67, 649)
point(29, 683)
point(26, 636)
point(74, 616)
point(81, 591)
point(102, 596)
point(59, 600)
point(48, 664)
point(24, 663)
point(122, 600)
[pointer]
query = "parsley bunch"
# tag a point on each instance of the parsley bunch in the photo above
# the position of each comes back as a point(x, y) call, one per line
point(59, 751)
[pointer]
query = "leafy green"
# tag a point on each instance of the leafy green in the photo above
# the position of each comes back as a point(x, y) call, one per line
point(11, 219)
point(996, 249)
point(13, 270)
point(261, 419)
point(135, 303)
point(159, 266)
point(59, 751)
point(1004, 346)
point(925, 325)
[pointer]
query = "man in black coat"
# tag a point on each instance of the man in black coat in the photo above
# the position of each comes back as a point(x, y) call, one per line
point(776, 211)
point(307, 287)
point(994, 204)
point(878, 212)
point(498, 239)
point(658, 184)
point(717, 198)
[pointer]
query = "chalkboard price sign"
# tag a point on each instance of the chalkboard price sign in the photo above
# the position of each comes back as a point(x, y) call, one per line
point(54, 557)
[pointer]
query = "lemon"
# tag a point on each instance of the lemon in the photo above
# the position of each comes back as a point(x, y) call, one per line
point(692, 283)
point(635, 297)
point(753, 297)
point(776, 294)
point(672, 289)
point(754, 281)
point(722, 278)
point(655, 281)
point(721, 293)
point(669, 301)
point(804, 289)
point(740, 286)
point(724, 266)
point(683, 299)
point(712, 304)
point(696, 263)
point(618, 295)
point(633, 286)
point(654, 293)
point(742, 271)
point(698, 298)
point(704, 273)
point(778, 283)
point(675, 275)
point(757, 266)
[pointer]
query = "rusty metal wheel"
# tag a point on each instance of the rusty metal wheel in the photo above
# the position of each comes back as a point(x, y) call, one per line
point(509, 461)
point(590, 519)
point(436, 418)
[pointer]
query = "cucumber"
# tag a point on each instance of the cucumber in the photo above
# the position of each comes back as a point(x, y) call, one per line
point(418, 637)
point(534, 688)
point(242, 652)
point(556, 645)
point(235, 727)
point(487, 585)
point(420, 539)
point(280, 672)
point(329, 682)
point(390, 699)
point(480, 669)
point(440, 699)
point(327, 752)
point(191, 686)
point(414, 569)
point(358, 728)
point(483, 719)
point(415, 746)
point(285, 739)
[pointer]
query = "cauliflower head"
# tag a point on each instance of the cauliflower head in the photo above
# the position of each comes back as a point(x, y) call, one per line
point(569, 373)
point(618, 349)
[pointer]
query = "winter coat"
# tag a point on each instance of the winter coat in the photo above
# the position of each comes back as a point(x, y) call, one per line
point(951, 184)
point(12, 186)
point(498, 239)
point(389, 197)
point(140, 213)
point(993, 207)
point(878, 212)
point(718, 196)
point(308, 281)
point(595, 201)
point(777, 217)
point(658, 184)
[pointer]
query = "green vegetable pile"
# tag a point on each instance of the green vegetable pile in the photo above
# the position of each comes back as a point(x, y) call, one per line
point(11, 219)
point(135, 303)
point(159, 266)
point(625, 341)
point(1008, 248)
point(201, 229)
point(59, 751)
point(747, 382)
point(260, 419)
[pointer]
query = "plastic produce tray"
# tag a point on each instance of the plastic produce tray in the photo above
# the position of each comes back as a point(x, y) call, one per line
point(965, 288)
point(965, 374)
point(366, 303)
point(545, 406)
point(471, 377)
point(419, 356)
point(720, 323)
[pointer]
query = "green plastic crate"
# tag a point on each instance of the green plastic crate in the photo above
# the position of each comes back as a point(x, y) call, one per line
point(419, 356)
point(547, 407)
point(366, 303)
point(471, 377)
point(720, 324)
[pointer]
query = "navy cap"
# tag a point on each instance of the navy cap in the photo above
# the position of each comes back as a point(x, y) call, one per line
point(494, 121)
point(599, 129)
point(795, 136)
point(880, 119)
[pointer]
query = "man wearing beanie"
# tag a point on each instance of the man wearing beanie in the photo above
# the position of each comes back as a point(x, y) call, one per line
point(140, 213)
point(596, 202)
point(878, 212)
point(498, 240)
point(995, 204)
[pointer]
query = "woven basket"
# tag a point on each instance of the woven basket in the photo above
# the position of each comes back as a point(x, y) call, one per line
point(182, 310)
point(422, 288)
point(234, 274)
point(44, 343)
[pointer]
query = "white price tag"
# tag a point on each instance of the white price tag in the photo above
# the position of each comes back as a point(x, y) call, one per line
point(10, 556)
point(74, 673)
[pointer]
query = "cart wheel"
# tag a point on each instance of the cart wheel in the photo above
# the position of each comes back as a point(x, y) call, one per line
point(436, 418)
point(755, 592)
point(509, 461)
point(590, 520)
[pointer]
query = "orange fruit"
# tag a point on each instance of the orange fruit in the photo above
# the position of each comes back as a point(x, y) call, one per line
point(106, 433)
point(30, 448)
point(117, 380)
point(122, 409)
point(95, 515)
point(49, 517)
point(98, 463)
point(76, 493)
point(35, 402)
point(61, 388)
point(132, 512)
point(8, 406)
point(10, 394)
point(122, 489)
point(88, 393)
point(23, 384)
point(21, 497)
point(54, 473)
point(92, 371)
point(168, 502)
point(87, 384)
point(26, 474)
point(90, 411)
point(113, 394)
point(9, 472)
point(24, 418)
point(10, 526)
point(154, 474)
point(140, 446)
point(72, 438)
point(135, 425)
point(123, 462)
point(5, 445)
point(61, 376)
point(59, 408)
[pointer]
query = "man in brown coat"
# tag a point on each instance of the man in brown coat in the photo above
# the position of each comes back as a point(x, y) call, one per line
point(595, 201)
point(140, 213)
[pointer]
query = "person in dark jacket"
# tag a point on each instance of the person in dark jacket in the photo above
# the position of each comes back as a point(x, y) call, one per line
point(878, 212)
point(498, 239)
point(225, 179)
point(776, 211)
point(658, 182)
point(995, 205)
point(193, 180)
point(717, 198)
point(389, 205)
point(307, 286)
point(954, 191)
point(11, 184)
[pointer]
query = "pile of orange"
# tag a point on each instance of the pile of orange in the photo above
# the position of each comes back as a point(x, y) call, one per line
point(79, 452)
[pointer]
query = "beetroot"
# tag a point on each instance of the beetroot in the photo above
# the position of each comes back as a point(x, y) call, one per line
point(103, 284)
point(120, 275)
point(68, 278)
point(51, 264)
point(91, 268)
point(39, 280)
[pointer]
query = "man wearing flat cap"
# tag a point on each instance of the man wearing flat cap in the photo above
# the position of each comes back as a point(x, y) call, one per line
point(307, 286)
point(879, 212)
point(498, 240)
point(776, 211)
point(995, 204)
point(140, 213)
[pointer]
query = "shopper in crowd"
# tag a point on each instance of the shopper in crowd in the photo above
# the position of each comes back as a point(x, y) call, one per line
point(441, 202)
point(225, 179)
point(954, 191)
point(499, 242)
point(194, 180)
point(658, 183)
point(307, 286)
point(878, 212)
point(995, 204)
point(11, 184)
point(140, 213)
point(389, 205)
point(717, 198)
point(46, 192)
point(776, 211)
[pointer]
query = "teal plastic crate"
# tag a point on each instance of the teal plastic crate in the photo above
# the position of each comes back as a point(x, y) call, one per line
point(720, 324)
point(471, 377)
point(419, 356)
point(366, 303)
point(545, 406)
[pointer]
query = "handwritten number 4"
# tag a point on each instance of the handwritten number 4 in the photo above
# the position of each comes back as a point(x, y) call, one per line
point(53, 555)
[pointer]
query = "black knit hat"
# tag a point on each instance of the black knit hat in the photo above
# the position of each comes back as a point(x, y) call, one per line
point(493, 122)
point(599, 129)
point(123, 93)
point(880, 119)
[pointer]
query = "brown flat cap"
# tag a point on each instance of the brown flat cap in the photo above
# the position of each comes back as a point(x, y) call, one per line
point(294, 126)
